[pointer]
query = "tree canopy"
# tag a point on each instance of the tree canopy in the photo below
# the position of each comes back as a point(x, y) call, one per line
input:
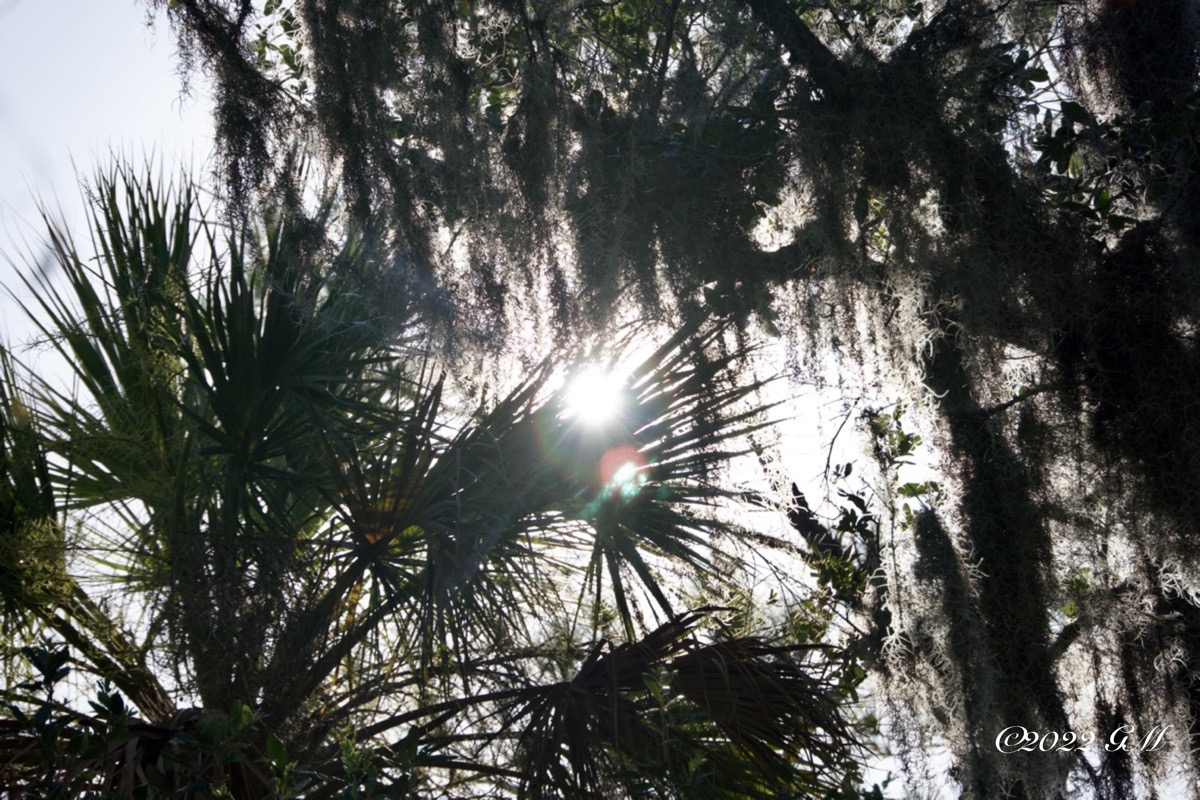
point(985, 209)
point(359, 579)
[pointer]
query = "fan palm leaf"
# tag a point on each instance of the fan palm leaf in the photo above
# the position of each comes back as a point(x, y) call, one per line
point(312, 526)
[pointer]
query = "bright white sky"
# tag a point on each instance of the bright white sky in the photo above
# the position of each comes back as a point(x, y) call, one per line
point(80, 81)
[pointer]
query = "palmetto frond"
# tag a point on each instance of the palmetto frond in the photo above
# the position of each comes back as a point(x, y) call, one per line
point(314, 529)
point(209, 374)
point(675, 715)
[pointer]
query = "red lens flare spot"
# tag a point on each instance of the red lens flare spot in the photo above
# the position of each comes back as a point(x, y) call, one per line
point(619, 460)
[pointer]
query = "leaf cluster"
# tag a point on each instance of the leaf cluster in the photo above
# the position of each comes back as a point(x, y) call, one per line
point(292, 516)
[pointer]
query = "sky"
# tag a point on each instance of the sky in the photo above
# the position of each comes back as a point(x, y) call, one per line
point(82, 81)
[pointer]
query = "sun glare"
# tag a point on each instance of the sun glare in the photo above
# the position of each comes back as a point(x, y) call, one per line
point(593, 396)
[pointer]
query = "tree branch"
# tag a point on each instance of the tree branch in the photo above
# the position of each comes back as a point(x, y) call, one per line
point(825, 70)
point(120, 664)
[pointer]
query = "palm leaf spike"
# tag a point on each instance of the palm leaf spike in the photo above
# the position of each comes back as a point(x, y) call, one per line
point(619, 719)
point(402, 472)
point(118, 341)
point(664, 443)
point(470, 529)
point(381, 492)
point(262, 365)
point(377, 490)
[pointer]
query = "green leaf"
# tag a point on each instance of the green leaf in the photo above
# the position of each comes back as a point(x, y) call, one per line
point(276, 753)
point(1073, 112)
point(1075, 165)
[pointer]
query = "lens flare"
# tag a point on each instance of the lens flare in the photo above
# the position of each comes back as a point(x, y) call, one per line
point(593, 396)
point(620, 466)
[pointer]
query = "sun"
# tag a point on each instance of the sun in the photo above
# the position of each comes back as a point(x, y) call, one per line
point(594, 396)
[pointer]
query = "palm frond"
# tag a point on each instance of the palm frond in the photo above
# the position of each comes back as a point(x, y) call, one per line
point(281, 477)
point(668, 710)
